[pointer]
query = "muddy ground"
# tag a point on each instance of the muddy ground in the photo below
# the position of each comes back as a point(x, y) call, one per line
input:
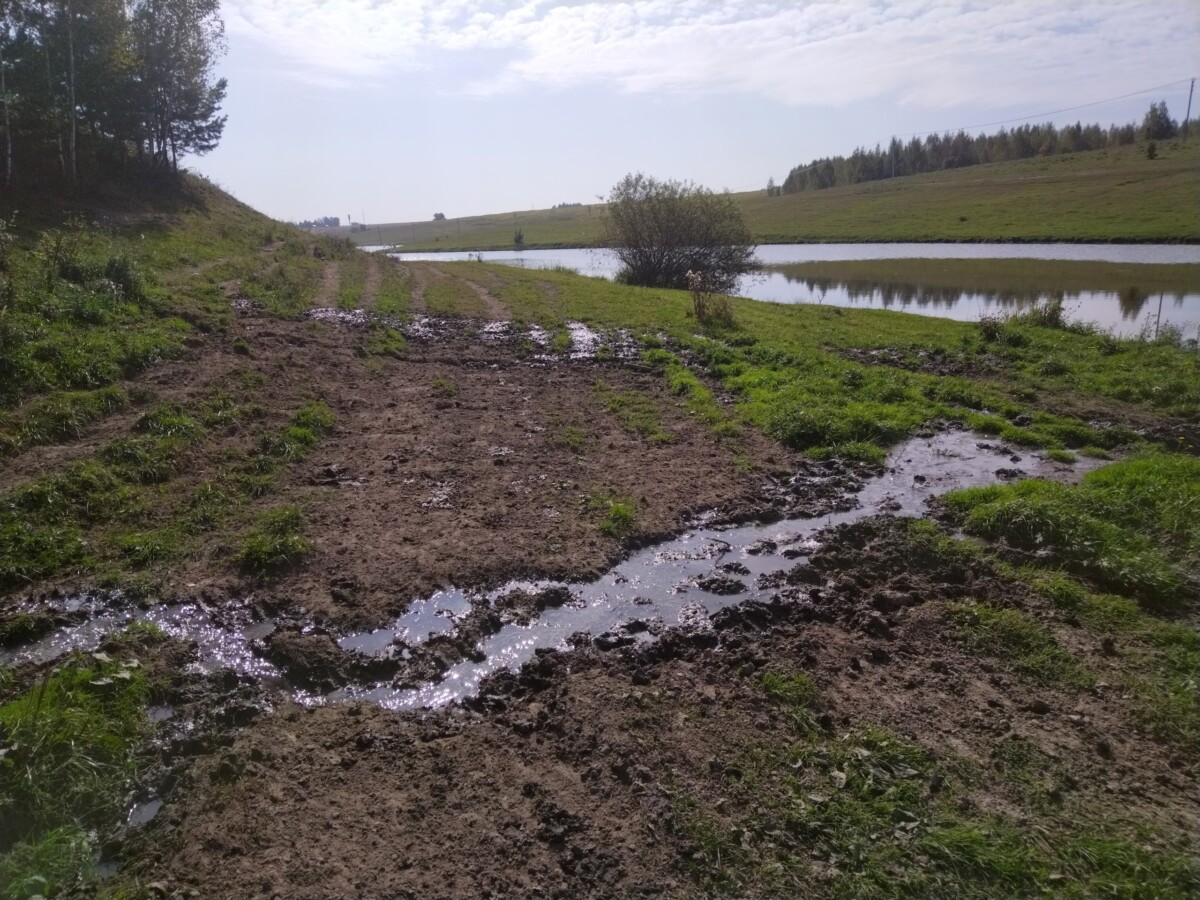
point(476, 458)
point(565, 780)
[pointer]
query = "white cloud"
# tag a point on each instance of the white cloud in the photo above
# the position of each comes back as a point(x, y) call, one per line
point(932, 54)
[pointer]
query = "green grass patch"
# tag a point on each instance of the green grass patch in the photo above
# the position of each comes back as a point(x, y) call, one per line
point(637, 413)
point(853, 815)
point(1019, 641)
point(1132, 526)
point(382, 340)
point(68, 746)
point(62, 416)
point(617, 514)
point(275, 543)
point(1159, 660)
point(395, 289)
point(444, 388)
point(451, 296)
point(566, 434)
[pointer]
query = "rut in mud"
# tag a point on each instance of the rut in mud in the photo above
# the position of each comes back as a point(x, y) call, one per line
point(470, 689)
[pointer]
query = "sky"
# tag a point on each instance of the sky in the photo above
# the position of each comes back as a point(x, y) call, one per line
point(395, 110)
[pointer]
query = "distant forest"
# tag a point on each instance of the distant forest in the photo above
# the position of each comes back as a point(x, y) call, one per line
point(953, 151)
point(85, 85)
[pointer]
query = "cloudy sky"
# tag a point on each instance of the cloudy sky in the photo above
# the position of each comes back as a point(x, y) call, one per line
point(397, 109)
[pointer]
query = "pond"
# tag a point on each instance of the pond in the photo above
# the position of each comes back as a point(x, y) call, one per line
point(1131, 309)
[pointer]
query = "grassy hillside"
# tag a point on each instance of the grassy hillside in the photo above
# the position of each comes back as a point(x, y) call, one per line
point(1106, 195)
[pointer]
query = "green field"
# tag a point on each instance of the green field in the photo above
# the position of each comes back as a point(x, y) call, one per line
point(1105, 195)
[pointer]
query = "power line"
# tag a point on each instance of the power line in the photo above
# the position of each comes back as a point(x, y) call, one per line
point(1054, 112)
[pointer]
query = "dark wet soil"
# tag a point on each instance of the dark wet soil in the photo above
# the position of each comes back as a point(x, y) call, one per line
point(461, 466)
point(561, 780)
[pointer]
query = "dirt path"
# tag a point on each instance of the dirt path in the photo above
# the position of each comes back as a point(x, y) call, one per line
point(373, 281)
point(420, 281)
point(331, 278)
point(496, 310)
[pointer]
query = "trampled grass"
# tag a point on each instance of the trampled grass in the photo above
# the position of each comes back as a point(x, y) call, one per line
point(852, 811)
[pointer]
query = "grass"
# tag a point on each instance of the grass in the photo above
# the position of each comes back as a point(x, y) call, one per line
point(444, 388)
point(276, 542)
point(796, 371)
point(568, 435)
point(62, 417)
point(865, 813)
point(117, 514)
point(454, 297)
point(1159, 659)
point(618, 514)
point(1131, 526)
point(68, 743)
point(636, 412)
point(1021, 641)
point(395, 290)
point(1103, 195)
point(352, 280)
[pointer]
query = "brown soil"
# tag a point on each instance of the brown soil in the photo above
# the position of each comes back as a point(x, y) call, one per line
point(470, 462)
point(330, 279)
point(560, 781)
point(373, 281)
point(448, 467)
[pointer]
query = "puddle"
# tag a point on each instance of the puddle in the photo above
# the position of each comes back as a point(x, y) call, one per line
point(217, 646)
point(680, 581)
point(707, 569)
point(586, 342)
point(143, 813)
point(424, 618)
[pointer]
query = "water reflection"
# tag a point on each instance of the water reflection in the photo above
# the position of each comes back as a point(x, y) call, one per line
point(1097, 306)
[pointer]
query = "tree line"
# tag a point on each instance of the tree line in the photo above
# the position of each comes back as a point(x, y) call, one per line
point(952, 151)
point(90, 83)
point(321, 222)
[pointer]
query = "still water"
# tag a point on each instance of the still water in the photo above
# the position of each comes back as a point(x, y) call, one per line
point(1124, 313)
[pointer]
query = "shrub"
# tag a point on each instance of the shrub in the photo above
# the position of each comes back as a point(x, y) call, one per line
point(661, 230)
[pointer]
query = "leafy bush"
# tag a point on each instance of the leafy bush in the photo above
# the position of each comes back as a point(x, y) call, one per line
point(661, 230)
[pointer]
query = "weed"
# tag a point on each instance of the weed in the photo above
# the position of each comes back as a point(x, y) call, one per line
point(275, 543)
point(240, 346)
point(444, 387)
point(619, 513)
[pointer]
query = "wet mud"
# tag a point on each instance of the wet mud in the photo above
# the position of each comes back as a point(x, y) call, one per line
point(469, 690)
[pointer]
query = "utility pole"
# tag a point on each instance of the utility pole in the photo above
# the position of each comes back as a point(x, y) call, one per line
point(1191, 91)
